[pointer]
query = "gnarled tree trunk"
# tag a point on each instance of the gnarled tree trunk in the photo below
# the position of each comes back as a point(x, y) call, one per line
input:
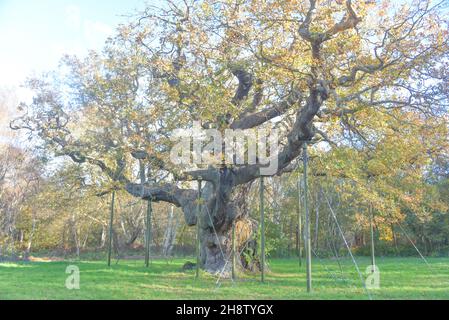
point(223, 203)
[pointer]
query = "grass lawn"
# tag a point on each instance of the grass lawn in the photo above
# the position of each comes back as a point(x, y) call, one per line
point(401, 278)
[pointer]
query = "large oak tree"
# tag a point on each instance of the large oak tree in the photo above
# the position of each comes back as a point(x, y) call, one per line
point(307, 68)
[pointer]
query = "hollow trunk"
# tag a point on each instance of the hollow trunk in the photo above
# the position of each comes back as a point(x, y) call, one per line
point(223, 206)
point(216, 248)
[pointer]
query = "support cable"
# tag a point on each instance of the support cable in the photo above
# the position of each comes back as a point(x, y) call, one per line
point(347, 246)
point(413, 244)
point(332, 274)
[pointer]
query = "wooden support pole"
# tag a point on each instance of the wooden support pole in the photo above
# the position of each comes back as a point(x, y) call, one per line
point(307, 224)
point(148, 233)
point(198, 229)
point(111, 222)
point(317, 220)
point(373, 256)
point(299, 223)
point(233, 252)
point(262, 231)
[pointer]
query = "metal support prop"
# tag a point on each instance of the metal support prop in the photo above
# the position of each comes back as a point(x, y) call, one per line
point(373, 257)
point(233, 252)
point(262, 231)
point(111, 221)
point(198, 229)
point(299, 223)
point(307, 224)
point(148, 234)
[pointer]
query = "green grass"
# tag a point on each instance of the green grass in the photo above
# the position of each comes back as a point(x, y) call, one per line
point(401, 278)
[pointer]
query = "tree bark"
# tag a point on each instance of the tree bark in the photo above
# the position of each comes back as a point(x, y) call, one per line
point(224, 203)
point(223, 206)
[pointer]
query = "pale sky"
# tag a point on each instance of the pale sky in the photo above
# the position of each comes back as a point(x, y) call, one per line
point(34, 34)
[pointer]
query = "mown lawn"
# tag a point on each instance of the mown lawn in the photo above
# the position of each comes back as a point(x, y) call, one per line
point(401, 278)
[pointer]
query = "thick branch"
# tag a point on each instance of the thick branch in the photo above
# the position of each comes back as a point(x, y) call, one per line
point(302, 132)
point(258, 118)
point(245, 83)
point(349, 21)
point(304, 28)
point(209, 175)
point(184, 198)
